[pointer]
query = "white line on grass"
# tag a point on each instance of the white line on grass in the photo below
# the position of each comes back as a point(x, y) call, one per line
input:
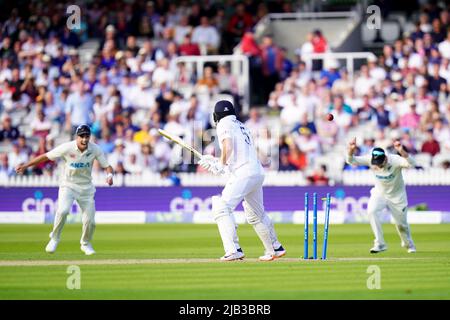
point(30, 263)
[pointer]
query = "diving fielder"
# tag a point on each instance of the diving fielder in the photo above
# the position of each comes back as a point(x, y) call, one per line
point(389, 191)
point(246, 175)
point(76, 184)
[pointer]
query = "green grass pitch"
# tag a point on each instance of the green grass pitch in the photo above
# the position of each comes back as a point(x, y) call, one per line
point(118, 270)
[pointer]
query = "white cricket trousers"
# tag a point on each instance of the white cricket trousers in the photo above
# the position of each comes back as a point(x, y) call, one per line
point(85, 199)
point(377, 203)
point(248, 188)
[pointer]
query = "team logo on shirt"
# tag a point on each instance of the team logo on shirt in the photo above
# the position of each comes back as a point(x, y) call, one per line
point(72, 156)
point(80, 165)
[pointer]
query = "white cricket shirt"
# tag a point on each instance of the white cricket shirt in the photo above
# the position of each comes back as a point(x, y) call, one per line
point(77, 170)
point(388, 180)
point(244, 152)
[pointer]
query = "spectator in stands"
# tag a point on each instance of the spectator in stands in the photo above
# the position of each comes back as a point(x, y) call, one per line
point(319, 176)
point(251, 49)
point(182, 29)
point(304, 124)
point(382, 116)
point(132, 165)
point(366, 112)
point(272, 64)
point(435, 81)
point(445, 165)
point(162, 74)
point(8, 132)
point(256, 123)
point(16, 156)
point(308, 143)
point(430, 145)
point(44, 167)
point(206, 36)
point(287, 65)
point(147, 160)
point(296, 157)
point(118, 155)
point(284, 164)
point(142, 96)
point(79, 108)
point(442, 133)
point(120, 170)
point(5, 169)
point(320, 45)
point(188, 48)
point(307, 46)
point(410, 120)
point(408, 142)
point(143, 135)
point(161, 150)
point(239, 22)
point(208, 83)
point(106, 142)
point(364, 82)
point(330, 74)
point(342, 114)
point(444, 46)
point(226, 81)
point(40, 125)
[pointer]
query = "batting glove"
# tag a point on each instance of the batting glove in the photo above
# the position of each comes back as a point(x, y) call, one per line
point(212, 164)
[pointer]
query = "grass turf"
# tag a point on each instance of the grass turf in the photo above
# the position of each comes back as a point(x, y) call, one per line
point(424, 275)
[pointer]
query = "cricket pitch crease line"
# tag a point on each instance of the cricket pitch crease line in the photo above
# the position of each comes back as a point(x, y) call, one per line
point(32, 263)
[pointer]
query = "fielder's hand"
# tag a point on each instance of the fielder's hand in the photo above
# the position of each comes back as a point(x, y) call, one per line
point(352, 146)
point(398, 146)
point(20, 169)
point(109, 179)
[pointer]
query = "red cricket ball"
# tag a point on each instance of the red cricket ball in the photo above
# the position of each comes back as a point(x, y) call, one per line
point(330, 117)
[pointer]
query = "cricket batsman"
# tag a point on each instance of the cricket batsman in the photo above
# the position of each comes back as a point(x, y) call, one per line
point(389, 191)
point(246, 175)
point(76, 184)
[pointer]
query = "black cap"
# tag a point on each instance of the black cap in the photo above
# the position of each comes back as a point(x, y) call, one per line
point(82, 130)
point(378, 156)
point(222, 109)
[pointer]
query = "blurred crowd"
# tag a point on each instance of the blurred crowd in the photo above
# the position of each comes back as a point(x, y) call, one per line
point(132, 85)
point(128, 89)
point(403, 93)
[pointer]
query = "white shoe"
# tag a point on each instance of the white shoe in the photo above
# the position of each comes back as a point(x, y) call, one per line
point(51, 246)
point(267, 257)
point(233, 256)
point(280, 252)
point(412, 249)
point(241, 251)
point(87, 249)
point(378, 248)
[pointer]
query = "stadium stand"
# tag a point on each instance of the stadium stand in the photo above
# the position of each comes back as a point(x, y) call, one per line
point(129, 72)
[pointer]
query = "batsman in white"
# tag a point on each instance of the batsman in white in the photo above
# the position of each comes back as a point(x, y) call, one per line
point(389, 191)
point(76, 184)
point(239, 160)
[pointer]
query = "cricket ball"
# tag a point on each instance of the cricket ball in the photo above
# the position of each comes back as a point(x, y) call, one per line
point(330, 117)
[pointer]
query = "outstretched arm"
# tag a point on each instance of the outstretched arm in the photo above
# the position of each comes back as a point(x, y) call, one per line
point(20, 169)
point(354, 160)
point(405, 161)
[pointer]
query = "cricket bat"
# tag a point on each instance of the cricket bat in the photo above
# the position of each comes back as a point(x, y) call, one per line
point(179, 141)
